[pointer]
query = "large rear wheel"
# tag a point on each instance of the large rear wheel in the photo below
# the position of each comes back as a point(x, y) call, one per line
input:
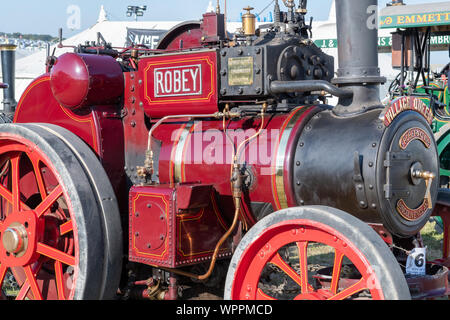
point(52, 237)
point(313, 253)
point(107, 201)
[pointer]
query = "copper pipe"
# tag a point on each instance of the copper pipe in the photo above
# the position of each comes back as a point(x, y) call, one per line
point(237, 181)
point(181, 116)
point(226, 110)
point(147, 170)
point(216, 250)
point(263, 112)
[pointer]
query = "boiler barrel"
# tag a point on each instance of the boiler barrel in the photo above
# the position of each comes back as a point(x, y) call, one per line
point(359, 165)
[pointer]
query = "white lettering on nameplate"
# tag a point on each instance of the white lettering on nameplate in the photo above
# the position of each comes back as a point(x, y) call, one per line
point(178, 81)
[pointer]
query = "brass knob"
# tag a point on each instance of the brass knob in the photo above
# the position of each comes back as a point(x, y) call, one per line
point(249, 9)
point(428, 177)
point(421, 174)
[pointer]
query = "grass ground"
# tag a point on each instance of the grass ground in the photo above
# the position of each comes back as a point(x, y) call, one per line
point(433, 240)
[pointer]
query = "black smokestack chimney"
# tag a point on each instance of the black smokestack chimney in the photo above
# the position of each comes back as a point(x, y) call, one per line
point(357, 31)
point(8, 55)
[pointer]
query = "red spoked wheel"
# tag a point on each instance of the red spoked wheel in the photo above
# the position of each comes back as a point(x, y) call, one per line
point(313, 253)
point(51, 232)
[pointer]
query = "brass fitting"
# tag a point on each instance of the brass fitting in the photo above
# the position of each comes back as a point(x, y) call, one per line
point(154, 291)
point(227, 114)
point(146, 171)
point(237, 181)
point(421, 174)
point(428, 177)
point(249, 22)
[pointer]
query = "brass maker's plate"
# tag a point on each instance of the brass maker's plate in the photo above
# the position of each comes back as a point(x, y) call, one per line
point(240, 71)
point(412, 214)
point(414, 134)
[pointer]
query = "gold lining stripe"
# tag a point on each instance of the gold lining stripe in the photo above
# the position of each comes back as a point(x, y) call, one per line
point(279, 191)
point(178, 158)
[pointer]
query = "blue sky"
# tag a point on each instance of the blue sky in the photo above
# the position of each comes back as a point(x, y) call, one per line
point(46, 16)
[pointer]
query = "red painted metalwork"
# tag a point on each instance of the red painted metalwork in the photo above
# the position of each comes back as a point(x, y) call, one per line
point(213, 27)
point(301, 232)
point(100, 126)
point(40, 265)
point(191, 150)
point(444, 213)
point(179, 84)
point(79, 80)
point(383, 232)
point(178, 220)
point(179, 236)
point(38, 96)
point(186, 35)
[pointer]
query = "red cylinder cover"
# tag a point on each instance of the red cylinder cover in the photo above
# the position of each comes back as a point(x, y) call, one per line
point(79, 80)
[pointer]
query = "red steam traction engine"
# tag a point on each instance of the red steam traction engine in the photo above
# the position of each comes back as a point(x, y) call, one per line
point(135, 172)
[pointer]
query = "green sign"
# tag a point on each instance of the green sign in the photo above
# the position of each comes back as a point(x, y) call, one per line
point(326, 43)
point(440, 40)
point(415, 20)
point(383, 42)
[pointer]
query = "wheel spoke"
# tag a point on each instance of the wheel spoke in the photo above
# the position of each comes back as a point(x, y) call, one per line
point(55, 254)
point(39, 178)
point(338, 259)
point(33, 283)
point(260, 295)
point(23, 291)
point(59, 280)
point(3, 270)
point(280, 263)
point(7, 195)
point(357, 287)
point(26, 285)
point(303, 260)
point(66, 228)
point(48, 201)
point(15, 172)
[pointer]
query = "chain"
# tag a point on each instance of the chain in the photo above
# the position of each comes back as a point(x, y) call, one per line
point(400, 248)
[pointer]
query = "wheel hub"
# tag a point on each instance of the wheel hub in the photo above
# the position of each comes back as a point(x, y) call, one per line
point(18, 239)
point(15, 239)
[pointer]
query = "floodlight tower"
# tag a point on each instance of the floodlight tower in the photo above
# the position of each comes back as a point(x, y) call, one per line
point(137, 11)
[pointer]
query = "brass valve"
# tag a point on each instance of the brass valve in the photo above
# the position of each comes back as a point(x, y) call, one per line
point(428, 177)
point(146, 172)
point(249, 22)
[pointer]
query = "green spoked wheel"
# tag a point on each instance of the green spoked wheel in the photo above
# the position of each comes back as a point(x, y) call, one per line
point(53, 242)
point(358, 262)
